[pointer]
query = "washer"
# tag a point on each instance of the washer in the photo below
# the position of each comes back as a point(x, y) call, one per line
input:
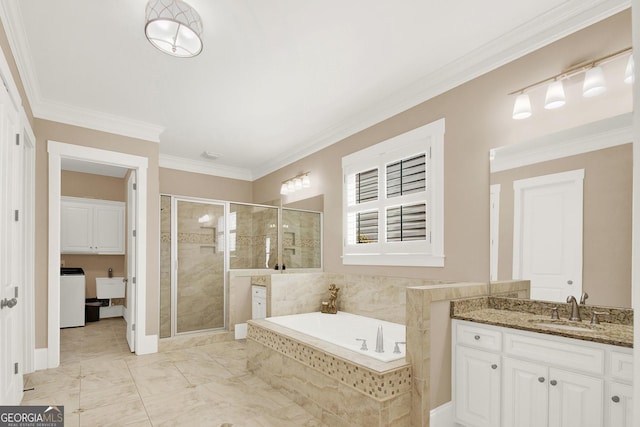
point(72, 294)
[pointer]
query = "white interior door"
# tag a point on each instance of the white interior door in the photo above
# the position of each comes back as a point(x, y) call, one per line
point(548, 234)
point(11, 254)
point(131, 259)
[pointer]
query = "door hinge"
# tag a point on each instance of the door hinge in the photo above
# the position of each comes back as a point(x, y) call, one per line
point(16, 215)
point(15, 293)
point(133, 279)
point(17, 139)
point(15, 368)
point(133, 327)
point(134, 233)
point(135, 186)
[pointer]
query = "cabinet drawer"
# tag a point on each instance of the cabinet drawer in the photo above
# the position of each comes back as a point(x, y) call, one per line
point(478, 337)
point(555, 353)
point(621, 365)
point(259, 292)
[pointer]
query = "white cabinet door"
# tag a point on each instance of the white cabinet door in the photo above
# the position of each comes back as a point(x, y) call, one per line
point(108, 229)
point(477, 388)
point(76, 228)
point(91, 226)
point(619, 401)
point(575, 400)
point(525, 393)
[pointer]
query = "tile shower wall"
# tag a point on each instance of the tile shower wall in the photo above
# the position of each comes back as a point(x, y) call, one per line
point(301, 247)
point(253, 236)
point(200, 277)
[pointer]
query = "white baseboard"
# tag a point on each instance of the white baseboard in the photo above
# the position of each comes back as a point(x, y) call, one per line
point(442, 416)
point(146, 344)
point(41, 356)
point(241, 331)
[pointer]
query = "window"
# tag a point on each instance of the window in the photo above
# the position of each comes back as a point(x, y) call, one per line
point(393, 201)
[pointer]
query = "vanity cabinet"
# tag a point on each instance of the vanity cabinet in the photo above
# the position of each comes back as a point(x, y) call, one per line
point(89, 226)
point(543, 380)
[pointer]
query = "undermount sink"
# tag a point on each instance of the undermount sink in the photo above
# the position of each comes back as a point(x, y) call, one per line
point(564, 326)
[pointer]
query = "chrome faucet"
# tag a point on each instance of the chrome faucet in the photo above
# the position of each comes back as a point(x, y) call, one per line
point(379, 341)
point(575, 310)
point(583, 298)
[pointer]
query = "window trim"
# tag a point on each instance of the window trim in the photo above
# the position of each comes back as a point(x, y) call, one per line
point(430, 139)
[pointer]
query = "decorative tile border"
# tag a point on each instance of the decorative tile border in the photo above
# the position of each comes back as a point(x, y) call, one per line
point(378, 385)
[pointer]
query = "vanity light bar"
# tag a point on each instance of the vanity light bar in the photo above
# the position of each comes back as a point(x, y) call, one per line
point(298, 182)
point(555, 98)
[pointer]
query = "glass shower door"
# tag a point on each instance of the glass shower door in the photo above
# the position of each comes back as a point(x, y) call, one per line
point(199, 272)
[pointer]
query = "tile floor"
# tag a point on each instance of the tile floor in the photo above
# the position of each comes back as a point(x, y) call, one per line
point(101, 383)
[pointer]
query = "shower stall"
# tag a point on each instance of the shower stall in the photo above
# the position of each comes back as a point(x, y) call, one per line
point(201, 240)
point(192, 266)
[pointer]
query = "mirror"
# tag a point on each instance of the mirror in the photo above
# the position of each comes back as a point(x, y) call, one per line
point(603, 151)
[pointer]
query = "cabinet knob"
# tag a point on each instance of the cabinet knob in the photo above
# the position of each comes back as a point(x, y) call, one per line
point(494, 366)
point(540, 379)
point(616, 399)
point(553, 382)
point(477, 337)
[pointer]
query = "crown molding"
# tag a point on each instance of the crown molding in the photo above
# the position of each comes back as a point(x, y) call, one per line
point(204, 167)
point(559, 22)
point(582, 139)
point(551, 26)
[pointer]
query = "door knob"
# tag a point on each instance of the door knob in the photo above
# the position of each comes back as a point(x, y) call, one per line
point(569, 282)
point(616, 399)
point(10, 303)
point(541, 379)
point(553, 382)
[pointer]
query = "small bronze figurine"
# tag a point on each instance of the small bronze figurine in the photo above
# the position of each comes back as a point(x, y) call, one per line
point(333, 296)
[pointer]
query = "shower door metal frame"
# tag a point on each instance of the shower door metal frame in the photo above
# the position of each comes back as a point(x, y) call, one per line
point(174, 263)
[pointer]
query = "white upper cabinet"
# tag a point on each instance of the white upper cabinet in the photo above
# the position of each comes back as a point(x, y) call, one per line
point(90, 226)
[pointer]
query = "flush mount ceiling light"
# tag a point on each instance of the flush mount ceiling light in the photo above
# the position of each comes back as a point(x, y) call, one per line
point(296, 183)
point(174, 27)
point(593, 85)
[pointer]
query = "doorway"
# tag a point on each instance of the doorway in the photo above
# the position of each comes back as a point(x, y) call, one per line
point(547, 246)
point(57, 151)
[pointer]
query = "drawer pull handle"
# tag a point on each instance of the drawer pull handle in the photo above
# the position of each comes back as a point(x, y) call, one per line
point(553, 382)
point(477, 337)
point(494, 366)
point(540, 379)
point(616, 399)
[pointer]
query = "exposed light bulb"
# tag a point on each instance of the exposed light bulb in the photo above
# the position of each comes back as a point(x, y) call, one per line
point(522, 107)
point(555, 96)
point(593, 83)
point(629, 72)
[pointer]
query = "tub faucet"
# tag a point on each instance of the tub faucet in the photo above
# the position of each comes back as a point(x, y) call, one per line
point(379, 341)
point(396, 348)
point(575, 310)
point(364, 344)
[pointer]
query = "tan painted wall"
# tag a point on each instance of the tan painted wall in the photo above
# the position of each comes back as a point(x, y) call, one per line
point(89, 186)
point(180, 183)
point(607, 220)
point(478, 117)
point(47, 130)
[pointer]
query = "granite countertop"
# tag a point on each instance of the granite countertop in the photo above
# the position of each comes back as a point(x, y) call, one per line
point(615, 328)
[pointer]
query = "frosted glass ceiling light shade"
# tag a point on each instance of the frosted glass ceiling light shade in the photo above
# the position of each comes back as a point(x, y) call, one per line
point(306, 181)
point(298, 183)
point(555, 96)
point(629, 72)
point(284, 189)
point(174, 27)
point(291, 186)
point(522, 107)
point(593, 83)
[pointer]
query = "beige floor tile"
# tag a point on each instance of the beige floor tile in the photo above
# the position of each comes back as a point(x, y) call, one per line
point(100, 382)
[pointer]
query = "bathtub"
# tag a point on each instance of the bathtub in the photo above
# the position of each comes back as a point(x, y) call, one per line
point(343, 329)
